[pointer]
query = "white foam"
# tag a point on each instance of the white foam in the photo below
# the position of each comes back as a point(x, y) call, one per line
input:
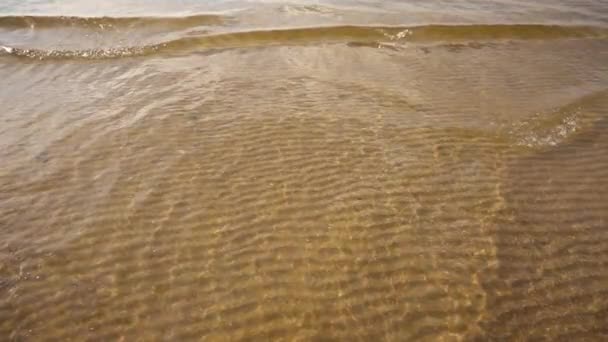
point(7, 48)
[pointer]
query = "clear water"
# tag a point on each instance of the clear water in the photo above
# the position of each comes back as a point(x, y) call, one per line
point(303, 170)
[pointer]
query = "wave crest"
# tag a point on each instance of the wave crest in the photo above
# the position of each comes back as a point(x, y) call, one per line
point(351, 35)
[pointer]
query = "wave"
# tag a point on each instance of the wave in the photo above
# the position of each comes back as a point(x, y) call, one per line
point(351, 35)
point(562, 124)
point(49, 22)
point(92, 54)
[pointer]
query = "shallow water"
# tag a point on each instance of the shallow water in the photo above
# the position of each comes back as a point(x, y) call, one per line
point(333, 170)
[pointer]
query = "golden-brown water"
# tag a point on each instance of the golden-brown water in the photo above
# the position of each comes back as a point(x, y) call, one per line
point(246, 171)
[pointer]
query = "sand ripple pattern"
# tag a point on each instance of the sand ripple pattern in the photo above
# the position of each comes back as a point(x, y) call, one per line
point(309, 192)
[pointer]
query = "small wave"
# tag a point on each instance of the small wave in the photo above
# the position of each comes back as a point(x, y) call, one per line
point(351, 35)
point(299, 9)
point(91, 54)
point(49, 22)
point(561, 124)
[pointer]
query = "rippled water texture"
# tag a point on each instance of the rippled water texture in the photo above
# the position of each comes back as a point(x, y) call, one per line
point(335, 170)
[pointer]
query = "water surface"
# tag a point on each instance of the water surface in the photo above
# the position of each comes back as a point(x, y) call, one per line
point(303, 170)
